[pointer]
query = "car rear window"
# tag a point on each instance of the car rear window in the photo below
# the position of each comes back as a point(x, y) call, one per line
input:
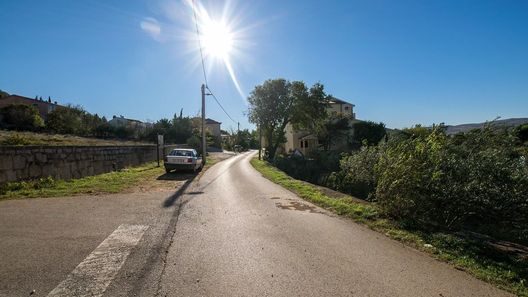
point(179, 153)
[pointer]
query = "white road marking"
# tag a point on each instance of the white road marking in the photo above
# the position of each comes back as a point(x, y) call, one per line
point(93, 275)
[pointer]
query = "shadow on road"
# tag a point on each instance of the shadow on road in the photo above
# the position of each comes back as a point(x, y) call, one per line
point(177, 176)
point(174, 176)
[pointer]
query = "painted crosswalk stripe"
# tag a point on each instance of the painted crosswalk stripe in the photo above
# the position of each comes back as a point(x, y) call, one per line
point(93, 275)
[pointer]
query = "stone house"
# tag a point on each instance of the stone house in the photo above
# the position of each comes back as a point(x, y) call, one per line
point(137, 126)
point(213, 127)
point(305, 141)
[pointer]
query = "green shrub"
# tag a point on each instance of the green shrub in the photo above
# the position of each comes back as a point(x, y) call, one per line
point(356, 175)
point(20, 117)
point(475, 181)
point(367, 132)
point(195, 142)
point(315, 168)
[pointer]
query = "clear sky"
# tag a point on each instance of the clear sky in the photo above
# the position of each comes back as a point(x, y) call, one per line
point(400, 62)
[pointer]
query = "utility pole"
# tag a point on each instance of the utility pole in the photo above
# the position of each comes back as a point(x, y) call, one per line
point(238, 133)
point(204, 144)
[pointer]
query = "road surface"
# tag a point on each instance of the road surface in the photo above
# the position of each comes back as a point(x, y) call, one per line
point(239, 234)
point(229, 233)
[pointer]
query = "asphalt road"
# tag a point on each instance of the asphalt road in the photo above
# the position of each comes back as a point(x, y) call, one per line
point(229, 233)
point(43, 240)
point(238, 234)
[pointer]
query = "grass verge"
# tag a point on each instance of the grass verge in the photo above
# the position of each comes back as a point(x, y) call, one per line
point(112, 182)
point(144, 176)
point(504, 269)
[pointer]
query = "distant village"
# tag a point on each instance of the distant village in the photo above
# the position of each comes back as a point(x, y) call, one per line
point(124, 127)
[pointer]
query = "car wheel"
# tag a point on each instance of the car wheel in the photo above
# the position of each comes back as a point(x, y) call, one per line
point(167, 170)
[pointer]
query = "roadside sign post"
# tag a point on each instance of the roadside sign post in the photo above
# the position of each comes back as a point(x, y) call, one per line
point(260, 141)
point(159, 143)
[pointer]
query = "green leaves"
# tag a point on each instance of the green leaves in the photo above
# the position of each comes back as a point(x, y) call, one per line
point(474, 181)
point(279, 102)
point(20, 117)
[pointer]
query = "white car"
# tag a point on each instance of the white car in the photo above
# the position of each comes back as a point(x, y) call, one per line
point(187, 159)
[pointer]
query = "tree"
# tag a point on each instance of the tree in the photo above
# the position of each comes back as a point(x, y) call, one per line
point(278, 102)
point(367, 132)
point(3, 94)
point(332, 130)
point(20, 117)
point(522, 133)
point(66, 120)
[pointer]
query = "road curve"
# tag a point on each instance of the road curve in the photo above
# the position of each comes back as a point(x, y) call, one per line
point(239, 234)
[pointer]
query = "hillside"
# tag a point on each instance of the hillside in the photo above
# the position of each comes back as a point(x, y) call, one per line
point(513, 122)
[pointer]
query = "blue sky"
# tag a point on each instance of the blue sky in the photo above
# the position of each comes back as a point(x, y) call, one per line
point(400, 62)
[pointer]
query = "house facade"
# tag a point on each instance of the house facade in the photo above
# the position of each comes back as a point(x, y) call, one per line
point(44, 107)
point(213, 127)
point(306, 141)
point(137, 126)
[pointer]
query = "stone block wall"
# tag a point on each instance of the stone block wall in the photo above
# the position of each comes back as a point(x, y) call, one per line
point(67, 162)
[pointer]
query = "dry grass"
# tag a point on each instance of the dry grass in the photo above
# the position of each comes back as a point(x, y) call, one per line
point(32, 138)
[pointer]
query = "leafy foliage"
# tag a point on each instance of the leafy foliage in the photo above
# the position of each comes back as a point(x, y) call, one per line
point(76, 121)
point(522, 133)
point(20, 117)
point(476, 181)
point(357, 175)
point(332, 131)
point(367, 132)
point(278, 102)
point(314, 169)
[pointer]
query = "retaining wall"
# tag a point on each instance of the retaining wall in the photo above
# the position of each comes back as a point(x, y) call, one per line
point(67, 162)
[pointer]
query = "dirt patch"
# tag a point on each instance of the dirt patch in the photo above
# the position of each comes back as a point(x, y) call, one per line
point(167, 182)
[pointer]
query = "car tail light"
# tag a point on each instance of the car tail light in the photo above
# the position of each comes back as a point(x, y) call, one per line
point(189, 160)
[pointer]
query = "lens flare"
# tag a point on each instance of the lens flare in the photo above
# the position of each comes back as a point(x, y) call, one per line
point(219, 40)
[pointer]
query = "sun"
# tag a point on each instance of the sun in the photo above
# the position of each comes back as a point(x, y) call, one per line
point(217, 39)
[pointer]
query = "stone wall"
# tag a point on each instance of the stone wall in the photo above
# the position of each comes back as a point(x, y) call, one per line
point(67, 162)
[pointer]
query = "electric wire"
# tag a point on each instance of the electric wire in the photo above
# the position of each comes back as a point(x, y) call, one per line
point(199, 41)
point(214, 97)
point(203, 64)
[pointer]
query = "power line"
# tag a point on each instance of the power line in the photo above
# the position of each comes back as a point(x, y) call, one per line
point(203, 64)
point(199, 42)
point(211, 93)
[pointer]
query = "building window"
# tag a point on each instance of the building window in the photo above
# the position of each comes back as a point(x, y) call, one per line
point(301, 144)
point(346, 107)
point(306, 143)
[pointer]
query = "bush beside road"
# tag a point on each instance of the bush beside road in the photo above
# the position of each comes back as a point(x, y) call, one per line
point(502, 264)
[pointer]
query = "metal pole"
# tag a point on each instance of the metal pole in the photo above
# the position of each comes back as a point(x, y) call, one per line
point(204, 144)
point(260, 142)
point(157, 148)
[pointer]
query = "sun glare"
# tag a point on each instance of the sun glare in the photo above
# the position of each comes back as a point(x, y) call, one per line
point(217, 40)
point(220, 38)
